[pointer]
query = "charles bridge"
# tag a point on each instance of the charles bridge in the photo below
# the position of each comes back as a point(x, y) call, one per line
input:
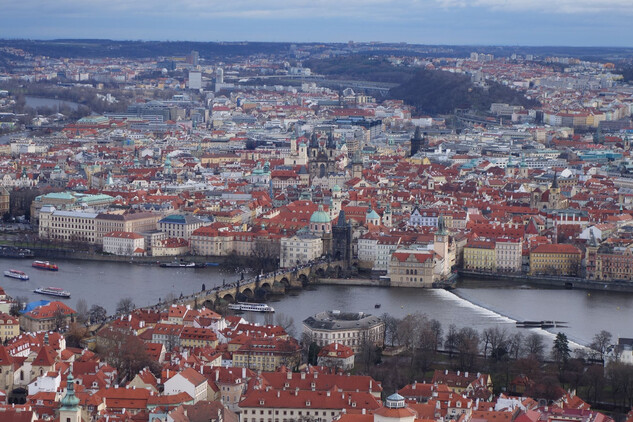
point(258, 287)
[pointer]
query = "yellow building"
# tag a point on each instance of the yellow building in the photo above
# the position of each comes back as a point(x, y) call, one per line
point(557, 259)
point(268, 354)
point(197, 337)
point(480, 255)
point(411, 268)
point(9, 327)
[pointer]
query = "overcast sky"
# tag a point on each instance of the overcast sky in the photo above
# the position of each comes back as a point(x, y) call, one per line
point(501, 22)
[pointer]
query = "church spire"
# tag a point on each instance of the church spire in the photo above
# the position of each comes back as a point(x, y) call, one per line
point(70, 401)
point(555, 182)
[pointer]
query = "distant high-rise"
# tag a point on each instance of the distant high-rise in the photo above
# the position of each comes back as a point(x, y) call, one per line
point(193, 58)
point(219, 76)
point(195, 80)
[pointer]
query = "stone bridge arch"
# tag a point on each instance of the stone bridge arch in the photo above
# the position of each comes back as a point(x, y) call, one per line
point(303, 279)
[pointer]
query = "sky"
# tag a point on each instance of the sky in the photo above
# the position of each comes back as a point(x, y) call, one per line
point(462, 22)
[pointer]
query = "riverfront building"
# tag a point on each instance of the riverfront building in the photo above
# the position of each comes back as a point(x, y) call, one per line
point(556, 259)
point(177, 225)
point(352, 329)
point(49, 317)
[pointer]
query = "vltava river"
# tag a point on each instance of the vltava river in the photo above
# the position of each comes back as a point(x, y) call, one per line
point(475, 304)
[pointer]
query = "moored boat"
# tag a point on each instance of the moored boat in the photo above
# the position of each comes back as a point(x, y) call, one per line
point(45, 265)
point(20, 275)
point(52, 291)
point(178, 264)
point(251, 307)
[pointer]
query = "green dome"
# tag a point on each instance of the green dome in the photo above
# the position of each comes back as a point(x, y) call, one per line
point(320, 216)
point(372, 215)
point(336, 188)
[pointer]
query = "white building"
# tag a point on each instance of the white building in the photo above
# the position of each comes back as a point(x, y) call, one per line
point(188, 381)
point(508, 254)
point(47, 383)
point(195, 80)
point(300, 249)
point(123, 243)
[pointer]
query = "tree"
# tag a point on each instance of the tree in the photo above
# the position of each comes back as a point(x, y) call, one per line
point(82, 311)
point(601, 343)
point(76, 333)
point(467, 347)
point(450, 344)
point(18, 305)
point(561, 350)
point(409, 333)
point(286, 322)
point(97, 314)
point(494, 340)
point(125, 306)
point(534, 346)
point(127, 353)
point(391, 328)
point(430, 339)
point(59, 319)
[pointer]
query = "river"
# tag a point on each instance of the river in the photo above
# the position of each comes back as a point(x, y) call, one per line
point(474, 303)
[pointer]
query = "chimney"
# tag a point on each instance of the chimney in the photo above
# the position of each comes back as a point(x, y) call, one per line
point(371, 384)
point(217, 375)
point(363, 412)
point(446, 372)
point(457, 373)
point(466, 374)
point(244, 372)
point(289, 375)
point(303, 375)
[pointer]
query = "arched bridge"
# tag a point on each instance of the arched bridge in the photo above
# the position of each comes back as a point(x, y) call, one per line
point(277, 282)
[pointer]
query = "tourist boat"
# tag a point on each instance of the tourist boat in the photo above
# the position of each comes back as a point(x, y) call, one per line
point(377, 305)
point(52, 291)
point(45, 265)
point(20, 275)
point(251, 307)
point(178, 264)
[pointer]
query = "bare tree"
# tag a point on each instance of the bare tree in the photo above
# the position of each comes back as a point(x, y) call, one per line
point(125, 306)
point(450, 344)
point(467, 347)
point(391, 328)
point(534, 346)
point(18, 305)
point(286, 322)
point(82, 311)
point(601, 343)
point(97, 314)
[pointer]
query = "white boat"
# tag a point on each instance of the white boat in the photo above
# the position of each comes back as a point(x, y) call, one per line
point(52, 291)
point(251, 307)
point(20, 275)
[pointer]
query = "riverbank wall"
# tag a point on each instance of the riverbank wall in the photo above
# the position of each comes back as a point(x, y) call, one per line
point(352, 282)
point(551, 281)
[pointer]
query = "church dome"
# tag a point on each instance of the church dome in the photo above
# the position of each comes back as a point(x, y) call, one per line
point(320, 216)
point(336, 188)
point(372, 215)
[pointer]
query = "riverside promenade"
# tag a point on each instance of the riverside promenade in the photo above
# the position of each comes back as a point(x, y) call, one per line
point(551, 281)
